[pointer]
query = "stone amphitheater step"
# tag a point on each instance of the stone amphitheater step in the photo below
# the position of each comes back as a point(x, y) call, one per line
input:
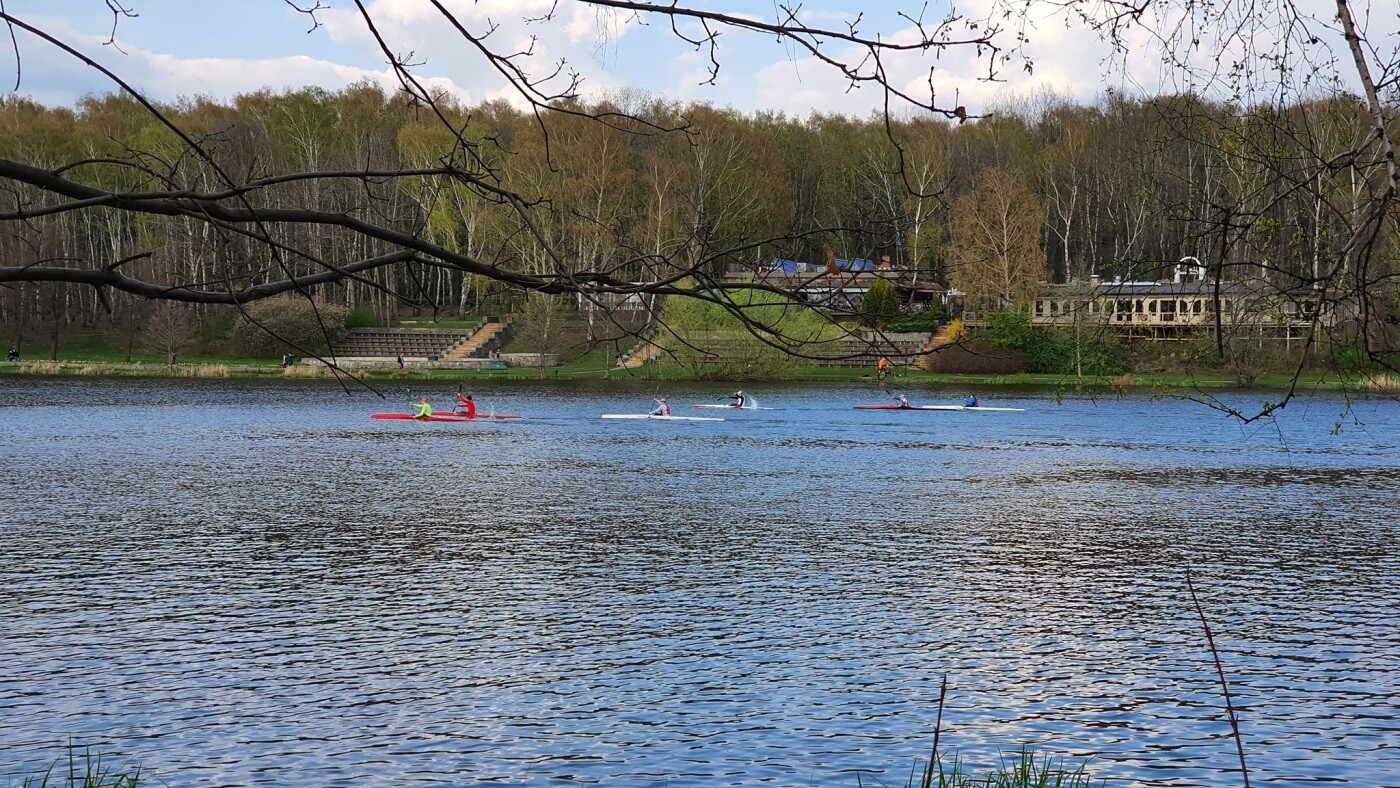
point(473, 344)
point(398, 342)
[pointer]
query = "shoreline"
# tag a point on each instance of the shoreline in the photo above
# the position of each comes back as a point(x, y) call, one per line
point(248, 369)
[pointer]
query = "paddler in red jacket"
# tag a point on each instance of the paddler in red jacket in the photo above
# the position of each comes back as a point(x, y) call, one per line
point(465, 406)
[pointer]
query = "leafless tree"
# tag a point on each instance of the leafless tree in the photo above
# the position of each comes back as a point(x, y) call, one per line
point(235, 208)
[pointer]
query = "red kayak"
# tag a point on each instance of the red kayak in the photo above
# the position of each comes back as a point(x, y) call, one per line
point(442, 417)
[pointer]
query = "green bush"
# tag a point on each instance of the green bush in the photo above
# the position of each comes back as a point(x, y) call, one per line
point(1095, 351)
point(1350, 359)
point(918, 322)
point(284, 324)
point(361, 317)
point(1008, 327)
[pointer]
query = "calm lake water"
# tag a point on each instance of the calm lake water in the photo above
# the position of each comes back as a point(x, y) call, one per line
point(240, 583)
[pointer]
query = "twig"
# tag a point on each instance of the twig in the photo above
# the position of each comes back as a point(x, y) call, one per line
point(1220, 670)
point(937, 729)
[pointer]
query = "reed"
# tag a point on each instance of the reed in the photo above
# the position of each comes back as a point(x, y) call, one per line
point(1022, 769)
point(1385, 382)
point(41, 368)
point(83, 769)
point(202, 371)
point(303, 371)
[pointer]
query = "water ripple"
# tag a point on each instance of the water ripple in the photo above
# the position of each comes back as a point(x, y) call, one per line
point(271, 589)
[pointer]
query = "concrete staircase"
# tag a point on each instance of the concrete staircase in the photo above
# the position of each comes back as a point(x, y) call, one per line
point(945, 336)
point(948, 334)
point(644, 353)
point(478, 344)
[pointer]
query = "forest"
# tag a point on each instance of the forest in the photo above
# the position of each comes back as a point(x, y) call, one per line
point(1123, 187)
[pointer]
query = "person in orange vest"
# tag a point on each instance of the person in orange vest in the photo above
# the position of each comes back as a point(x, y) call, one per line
point(882, 367)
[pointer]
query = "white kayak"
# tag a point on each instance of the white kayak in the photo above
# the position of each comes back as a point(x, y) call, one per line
point(658, 418)
point(732, 407)
point(983, 408)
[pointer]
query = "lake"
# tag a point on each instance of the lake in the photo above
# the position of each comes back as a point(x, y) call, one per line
point(252, 583)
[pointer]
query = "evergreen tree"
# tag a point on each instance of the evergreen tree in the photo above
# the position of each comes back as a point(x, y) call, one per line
point(880, 304)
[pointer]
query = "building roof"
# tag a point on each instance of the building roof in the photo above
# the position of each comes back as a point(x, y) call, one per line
point(1132, 289)
point(795, 267)
point(847, 281)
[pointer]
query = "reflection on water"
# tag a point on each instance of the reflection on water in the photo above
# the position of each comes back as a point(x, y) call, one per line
point(256, 584)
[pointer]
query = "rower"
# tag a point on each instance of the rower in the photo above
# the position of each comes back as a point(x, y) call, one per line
point(465, 405)
point(661, 409)
point(904, 402)
point(422, 409)
point(738, 398)
point(971, 401)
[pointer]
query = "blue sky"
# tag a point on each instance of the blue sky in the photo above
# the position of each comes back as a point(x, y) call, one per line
point(218, 48)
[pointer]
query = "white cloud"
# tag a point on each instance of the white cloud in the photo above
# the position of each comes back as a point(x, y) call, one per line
point(611, 50)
